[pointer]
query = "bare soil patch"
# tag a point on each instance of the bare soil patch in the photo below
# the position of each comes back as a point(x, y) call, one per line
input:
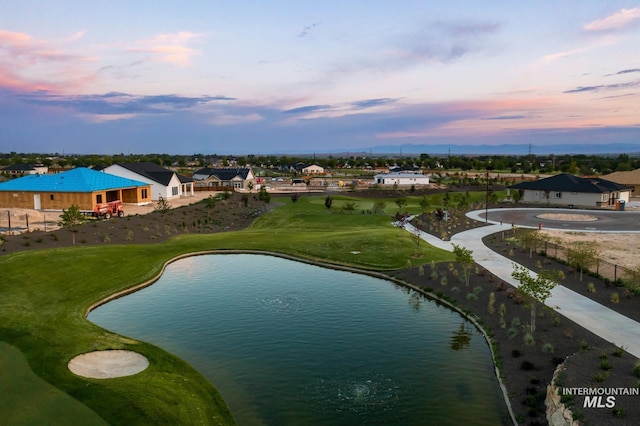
point(619, 248)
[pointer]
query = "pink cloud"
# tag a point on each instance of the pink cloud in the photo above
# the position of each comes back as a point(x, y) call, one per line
point(170, 48)
point(29, 64)
point(619, 20)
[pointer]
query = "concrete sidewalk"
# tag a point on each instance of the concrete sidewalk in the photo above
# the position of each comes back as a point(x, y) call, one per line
point(600, 320)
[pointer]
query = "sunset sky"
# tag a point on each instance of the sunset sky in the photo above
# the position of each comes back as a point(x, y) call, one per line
point(257, 77)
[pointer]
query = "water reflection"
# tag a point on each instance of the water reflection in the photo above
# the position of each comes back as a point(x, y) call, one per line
point(461, 338)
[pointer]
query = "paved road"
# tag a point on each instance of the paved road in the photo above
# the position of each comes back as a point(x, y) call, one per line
point(605, 221)
point(599, 319)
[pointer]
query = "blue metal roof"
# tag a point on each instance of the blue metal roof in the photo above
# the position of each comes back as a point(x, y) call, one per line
point(79, 179)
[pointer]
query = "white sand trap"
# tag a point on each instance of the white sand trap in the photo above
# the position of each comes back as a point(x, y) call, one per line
point(108, 364)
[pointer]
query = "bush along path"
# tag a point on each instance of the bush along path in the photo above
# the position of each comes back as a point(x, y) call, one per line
point(528, 359)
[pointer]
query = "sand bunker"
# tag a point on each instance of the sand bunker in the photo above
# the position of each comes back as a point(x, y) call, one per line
point(568, 217)
point(108, 364)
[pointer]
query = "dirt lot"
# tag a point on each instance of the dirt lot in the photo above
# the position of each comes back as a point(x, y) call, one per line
point(619, 249)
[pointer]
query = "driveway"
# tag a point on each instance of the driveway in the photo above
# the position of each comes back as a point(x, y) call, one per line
point(605, 220)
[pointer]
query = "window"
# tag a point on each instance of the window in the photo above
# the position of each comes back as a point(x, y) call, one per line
point(174, 190)
point(144, 194)
point(237, 185)
point(51, 196)
point(99, 199)
point(558, 194)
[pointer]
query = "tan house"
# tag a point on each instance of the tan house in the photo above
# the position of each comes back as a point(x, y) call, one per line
point(630, 178)
point(81, 187)
point(313, 169)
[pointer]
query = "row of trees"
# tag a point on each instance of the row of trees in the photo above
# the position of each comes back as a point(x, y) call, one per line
point(575, 164)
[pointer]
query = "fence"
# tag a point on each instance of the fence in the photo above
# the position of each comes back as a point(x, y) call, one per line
point(608, 271)
point(16, 221)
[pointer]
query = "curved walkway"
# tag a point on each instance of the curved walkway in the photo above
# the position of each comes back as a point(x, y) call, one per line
point(600, 320)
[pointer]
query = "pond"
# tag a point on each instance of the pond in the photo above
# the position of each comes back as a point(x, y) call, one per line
point(288, 343)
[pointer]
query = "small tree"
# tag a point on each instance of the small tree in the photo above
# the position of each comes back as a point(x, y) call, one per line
point(401, 202)
point(162, 206)
point(250, 186)
point(531, 240)
point(378, 207)
point(210, 204)
point(464, 257)
point(416, 237)
point(71, 218)
point(582, 255)
point(349, 206)
point(424, 204)
point(263, 195)
point(536, 289)
point(328, 202)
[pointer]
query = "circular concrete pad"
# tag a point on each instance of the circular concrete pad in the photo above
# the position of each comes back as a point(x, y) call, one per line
point(108, 364)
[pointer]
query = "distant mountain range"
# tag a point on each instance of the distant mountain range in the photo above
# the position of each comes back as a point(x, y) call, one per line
point(508, 149)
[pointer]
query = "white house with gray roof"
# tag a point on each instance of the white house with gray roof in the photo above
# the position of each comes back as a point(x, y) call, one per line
point(401, 179)
point(164, 183)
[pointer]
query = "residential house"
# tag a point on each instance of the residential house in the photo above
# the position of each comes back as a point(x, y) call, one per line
point(568, 190)
point(401, 179)
point(312, 169)
point(164, 183)
point(25, 169)
point(81, 187)
point(225, 178)
point(630, 178)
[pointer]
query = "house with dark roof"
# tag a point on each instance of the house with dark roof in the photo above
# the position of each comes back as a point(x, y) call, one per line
point(25, 169)
point(81, 187)
point(164, 183)
point(569, 190)
point(225, 178)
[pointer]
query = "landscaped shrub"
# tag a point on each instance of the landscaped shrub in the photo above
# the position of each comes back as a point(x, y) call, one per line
point(618, 352)
point(528, 339)
point(591, 288)
point(584, 346)
point(492, 301)
point(636, 369)
point(548, 348)
point(615, 298)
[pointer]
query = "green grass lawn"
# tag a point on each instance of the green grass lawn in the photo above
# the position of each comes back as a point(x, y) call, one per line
point(44, 296)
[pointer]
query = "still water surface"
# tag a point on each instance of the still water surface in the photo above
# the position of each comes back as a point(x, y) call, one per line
point(287, 343)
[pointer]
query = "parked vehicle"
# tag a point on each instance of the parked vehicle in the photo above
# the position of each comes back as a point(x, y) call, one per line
point(106, 210)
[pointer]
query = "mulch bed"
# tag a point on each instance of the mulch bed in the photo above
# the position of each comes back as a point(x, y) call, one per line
point(155, 227)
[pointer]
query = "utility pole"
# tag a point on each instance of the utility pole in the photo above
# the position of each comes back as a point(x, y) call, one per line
point(486, 201)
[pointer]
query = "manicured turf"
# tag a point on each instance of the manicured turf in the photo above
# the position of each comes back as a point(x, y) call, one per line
point(44, 296)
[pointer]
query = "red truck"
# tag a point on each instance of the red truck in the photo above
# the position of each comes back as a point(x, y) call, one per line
point(106, 210)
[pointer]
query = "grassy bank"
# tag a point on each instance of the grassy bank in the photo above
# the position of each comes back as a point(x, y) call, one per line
point(44, 296)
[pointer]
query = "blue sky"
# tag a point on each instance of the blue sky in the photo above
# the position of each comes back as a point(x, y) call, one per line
point(257, 77)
